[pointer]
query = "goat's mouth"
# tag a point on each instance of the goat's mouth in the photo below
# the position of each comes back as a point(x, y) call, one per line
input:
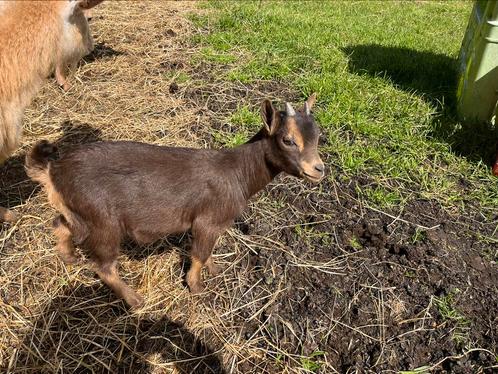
point(313, 178)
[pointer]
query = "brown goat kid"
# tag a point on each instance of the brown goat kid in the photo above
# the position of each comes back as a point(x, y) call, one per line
point(37, 38)
point(107, 191)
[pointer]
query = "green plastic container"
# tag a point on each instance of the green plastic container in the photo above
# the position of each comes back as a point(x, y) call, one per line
point(477, 92)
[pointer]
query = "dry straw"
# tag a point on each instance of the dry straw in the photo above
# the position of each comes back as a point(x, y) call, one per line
point(58, 318)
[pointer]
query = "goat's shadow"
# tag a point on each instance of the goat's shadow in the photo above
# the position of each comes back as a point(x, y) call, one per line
point(15, 185)
point(81, 330)
point(432, 76)
point(138, 252)
point(101, 51)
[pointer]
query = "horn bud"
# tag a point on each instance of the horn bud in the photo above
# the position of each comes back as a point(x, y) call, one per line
point(307, 109)
point(289, 110)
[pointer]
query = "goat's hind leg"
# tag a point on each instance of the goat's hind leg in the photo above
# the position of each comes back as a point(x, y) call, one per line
point(108, 272)
point(102, 245)
point(65, 246)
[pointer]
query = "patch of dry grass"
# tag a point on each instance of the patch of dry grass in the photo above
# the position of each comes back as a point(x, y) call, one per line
point(58, 318)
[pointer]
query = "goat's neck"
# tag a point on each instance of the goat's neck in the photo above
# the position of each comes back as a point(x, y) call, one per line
point(254, 168)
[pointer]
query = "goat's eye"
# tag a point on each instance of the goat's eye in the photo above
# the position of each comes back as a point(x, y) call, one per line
point(288, 142)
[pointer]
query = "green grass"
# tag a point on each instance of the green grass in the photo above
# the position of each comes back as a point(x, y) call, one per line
point(355, 243)
point(312, 362)
point(214, 55)
point(420, 370)
point(179, 77)
point(385, 73)
point(448, 311)
point(245, 121)
point(418, 236)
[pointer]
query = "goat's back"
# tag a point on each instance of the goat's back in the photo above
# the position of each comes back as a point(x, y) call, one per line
point(28, 35)
point(146, 188)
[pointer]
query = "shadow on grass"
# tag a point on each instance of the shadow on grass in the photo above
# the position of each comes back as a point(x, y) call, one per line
point(16, 187)
point(432, 76)
point(100, 51)
point(81, 332)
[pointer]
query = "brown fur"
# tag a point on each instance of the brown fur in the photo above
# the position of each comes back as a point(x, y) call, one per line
point(111, 190)
point(36, 39)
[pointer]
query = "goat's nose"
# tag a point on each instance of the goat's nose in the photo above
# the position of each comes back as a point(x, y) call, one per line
point(320, 167)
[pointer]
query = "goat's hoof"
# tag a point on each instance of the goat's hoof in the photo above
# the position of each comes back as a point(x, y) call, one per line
point(196, 288)
point(134, 300)
point(214, 270)
point(7, 215)
point(68, 259)
point(65, 86)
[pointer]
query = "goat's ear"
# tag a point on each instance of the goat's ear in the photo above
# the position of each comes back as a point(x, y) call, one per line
point(87, 4)
point(308, 104)
point(268, 115)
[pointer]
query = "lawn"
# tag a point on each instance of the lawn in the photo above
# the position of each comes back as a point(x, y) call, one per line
point(385, 74)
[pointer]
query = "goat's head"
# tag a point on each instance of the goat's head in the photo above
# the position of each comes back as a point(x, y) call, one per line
point(78, 40)
point(294, 139)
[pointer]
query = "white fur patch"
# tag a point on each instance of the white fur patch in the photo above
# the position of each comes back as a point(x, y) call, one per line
point(68, 10)
point(4, 4)
point(76, 40)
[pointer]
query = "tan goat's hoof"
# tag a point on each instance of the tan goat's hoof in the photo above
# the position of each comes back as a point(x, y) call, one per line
point(66, 87)
point(7, 215)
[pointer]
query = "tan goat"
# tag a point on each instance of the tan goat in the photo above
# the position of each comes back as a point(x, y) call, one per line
point(37, 38)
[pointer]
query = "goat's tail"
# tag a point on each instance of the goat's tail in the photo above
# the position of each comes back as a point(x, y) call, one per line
point(38, 159)
point(37, 167)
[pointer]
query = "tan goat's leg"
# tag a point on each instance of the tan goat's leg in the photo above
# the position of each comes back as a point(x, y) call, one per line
point(61, 78)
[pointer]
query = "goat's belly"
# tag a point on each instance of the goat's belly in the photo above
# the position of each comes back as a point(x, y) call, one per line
point(152, 233)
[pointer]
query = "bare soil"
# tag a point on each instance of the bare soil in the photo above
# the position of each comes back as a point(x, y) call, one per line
point(359, 286)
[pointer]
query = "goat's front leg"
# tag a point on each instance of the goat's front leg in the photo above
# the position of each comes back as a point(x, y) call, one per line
point(202, 246)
